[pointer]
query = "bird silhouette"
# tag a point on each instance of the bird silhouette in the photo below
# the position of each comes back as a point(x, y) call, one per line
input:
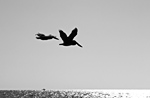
point(68, 41)
point(43, 37)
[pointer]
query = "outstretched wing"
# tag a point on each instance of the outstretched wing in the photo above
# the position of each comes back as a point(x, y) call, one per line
point(73, 34)
point(63, 35)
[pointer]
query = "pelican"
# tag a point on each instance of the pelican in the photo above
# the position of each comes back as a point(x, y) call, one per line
point(68, 41)
point(43, 37)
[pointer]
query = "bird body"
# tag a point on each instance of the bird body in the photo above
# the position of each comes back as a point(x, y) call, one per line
point(68, 41)
point(73, 42)
point(43, 37)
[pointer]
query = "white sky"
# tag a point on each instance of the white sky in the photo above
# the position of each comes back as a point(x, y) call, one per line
point(114, 35)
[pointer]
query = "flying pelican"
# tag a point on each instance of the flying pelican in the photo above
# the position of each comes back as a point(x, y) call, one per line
point(43, 37)
point(67, 41)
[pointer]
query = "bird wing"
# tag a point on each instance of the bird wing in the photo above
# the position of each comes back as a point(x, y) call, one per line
point(63, 35)
point(73, 34)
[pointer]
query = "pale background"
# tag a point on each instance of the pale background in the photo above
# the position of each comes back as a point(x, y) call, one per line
point(115, 35)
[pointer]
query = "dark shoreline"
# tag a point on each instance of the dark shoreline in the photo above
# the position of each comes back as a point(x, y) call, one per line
point(57, 94)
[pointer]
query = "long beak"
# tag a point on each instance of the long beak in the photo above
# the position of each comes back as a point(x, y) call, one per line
point(56, 38)
point(79, 45)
